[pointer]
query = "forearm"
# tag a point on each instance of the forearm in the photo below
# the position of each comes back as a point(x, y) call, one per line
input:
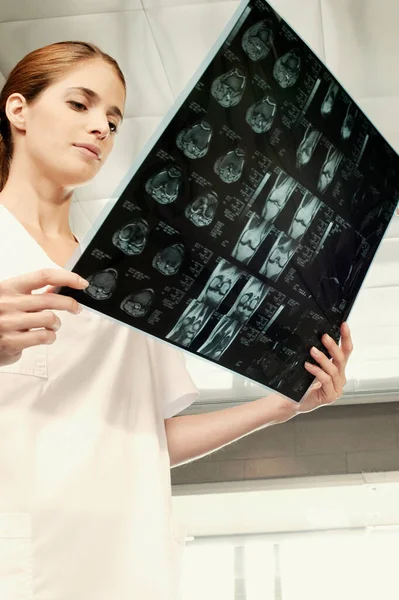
point(193, 436)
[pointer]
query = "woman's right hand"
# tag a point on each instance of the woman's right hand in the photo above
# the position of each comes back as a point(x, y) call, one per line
point(27, 319)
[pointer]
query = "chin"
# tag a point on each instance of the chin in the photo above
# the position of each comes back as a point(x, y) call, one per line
point(82, 181)
point(78, 178)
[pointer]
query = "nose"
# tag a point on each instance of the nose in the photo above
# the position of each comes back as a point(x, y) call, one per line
point(101, 132)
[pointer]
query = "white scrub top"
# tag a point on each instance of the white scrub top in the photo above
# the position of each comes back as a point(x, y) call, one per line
point(85, 492)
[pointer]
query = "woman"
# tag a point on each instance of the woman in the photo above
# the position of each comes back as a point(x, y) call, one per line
point(86, 435)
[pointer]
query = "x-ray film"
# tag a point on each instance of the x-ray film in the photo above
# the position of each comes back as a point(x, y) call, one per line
point(246, 228)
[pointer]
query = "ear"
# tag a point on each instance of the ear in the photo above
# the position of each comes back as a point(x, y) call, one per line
point(15, 110)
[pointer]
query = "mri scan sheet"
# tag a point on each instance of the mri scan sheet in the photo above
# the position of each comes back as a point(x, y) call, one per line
point(246, 227)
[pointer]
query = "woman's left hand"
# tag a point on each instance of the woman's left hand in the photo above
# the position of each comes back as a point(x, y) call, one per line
point(330, 374)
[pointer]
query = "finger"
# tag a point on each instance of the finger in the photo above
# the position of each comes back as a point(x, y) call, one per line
point(329, 389)
point(346, 341)
point(336, 374)
point(18, 342)
point(25, 284)
point(40, 302)
point(23, 321)
point(335, 351)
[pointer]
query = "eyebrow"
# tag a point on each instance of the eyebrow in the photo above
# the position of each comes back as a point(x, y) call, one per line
point(92, 94)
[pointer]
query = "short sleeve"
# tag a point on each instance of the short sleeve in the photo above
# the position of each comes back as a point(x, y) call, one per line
point(175, 386)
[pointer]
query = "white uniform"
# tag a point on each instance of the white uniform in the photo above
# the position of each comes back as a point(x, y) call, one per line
point(85, 495)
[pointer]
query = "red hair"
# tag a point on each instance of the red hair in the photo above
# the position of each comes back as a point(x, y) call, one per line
point(36, 72)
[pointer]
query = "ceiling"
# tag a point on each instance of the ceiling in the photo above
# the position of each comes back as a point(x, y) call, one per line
point(159, 44)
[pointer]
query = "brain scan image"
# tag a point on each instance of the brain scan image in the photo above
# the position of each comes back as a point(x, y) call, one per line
point(304, 216)
point(219, 284)
point(228, 89)
point(229, 326)
point(164, 186)
point(190, 323)
point(329, 168)
point(102, 284)
point(307, 146)
point(257, 40)
point(329, 99)
point(251, 238)
point(139, 303)
point(287, 69)
point(278, 197)
point(132, 238)
point(194, 141)
point(349, 122)
point(202, 210)
point(260, 116)
point(169, 260)
point(278, 257)
point(229, 167)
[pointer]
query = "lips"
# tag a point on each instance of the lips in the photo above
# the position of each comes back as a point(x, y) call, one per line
point(91, 148)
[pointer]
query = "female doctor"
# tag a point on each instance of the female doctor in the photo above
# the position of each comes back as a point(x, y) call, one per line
point(86, 434)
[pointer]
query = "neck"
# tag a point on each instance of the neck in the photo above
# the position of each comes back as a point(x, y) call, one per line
point(41, 205)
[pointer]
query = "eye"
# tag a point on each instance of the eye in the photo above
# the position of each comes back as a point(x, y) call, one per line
point(77, 105)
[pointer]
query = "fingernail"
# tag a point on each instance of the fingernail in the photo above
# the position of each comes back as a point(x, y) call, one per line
point(56, 327)
point(308, 364)
point(328, 338)
point(83, 282)
point(315, 351)
point(79, 309)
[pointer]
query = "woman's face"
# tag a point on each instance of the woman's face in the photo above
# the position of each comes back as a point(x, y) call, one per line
point(64, 115)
